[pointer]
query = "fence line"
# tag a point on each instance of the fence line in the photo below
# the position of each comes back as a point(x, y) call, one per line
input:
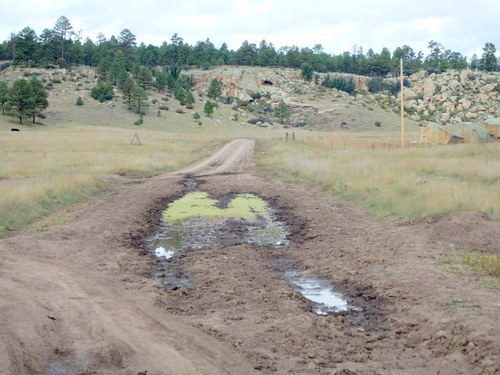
point(334, 145)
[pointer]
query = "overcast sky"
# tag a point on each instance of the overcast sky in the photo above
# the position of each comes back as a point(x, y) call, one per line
point(462, 26)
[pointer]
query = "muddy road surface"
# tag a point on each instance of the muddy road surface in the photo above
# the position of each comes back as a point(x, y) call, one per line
point(78, 297)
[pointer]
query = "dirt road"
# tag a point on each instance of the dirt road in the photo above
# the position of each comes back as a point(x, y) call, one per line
point(77, 298)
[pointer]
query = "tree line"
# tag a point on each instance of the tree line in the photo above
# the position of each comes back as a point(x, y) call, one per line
point(62, 45)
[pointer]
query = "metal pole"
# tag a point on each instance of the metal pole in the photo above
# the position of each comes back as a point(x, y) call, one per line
point(402, 105)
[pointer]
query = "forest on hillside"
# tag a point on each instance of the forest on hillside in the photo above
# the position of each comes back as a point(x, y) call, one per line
point(61, 45)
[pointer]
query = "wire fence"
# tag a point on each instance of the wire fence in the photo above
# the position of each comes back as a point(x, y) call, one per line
point(339, 142)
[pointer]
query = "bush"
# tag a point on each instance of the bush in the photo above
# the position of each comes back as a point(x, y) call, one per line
point(139, 121)
point(392, 87)
point(378, 124)
point(345, 84)
point(376, 84)
point(180, 111)
point(163, 108)
point(196, 116)
point(79, 101)
point(427, 118)
point(102, 92)
point(228, 100)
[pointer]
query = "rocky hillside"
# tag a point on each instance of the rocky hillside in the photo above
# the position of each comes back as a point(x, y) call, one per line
point(449, 97)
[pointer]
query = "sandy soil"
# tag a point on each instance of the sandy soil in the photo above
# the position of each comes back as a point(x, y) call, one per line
point(78, 297)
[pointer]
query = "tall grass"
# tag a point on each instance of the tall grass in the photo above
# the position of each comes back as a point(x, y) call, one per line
point(43, 170)
point(400, 182)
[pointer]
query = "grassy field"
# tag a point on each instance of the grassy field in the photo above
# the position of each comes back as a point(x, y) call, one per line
point(47, 168)
point(391, 181)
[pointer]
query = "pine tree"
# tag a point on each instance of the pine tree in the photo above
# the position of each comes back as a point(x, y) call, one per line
point(215, 89)
point(4, 96)
point(180, 95)
point(307, 72)
point(128, 89)
point(139, 99)
point(209, 108)
point(161, 81)
point(63, 28)
point(189, 98)
point(145, 78)
point(282, 111)
point(21, 103)
point(489, 61)
point(39, 97)
point(115, 71)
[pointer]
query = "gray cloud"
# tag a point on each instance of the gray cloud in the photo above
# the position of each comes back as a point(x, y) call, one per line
point(459, 25)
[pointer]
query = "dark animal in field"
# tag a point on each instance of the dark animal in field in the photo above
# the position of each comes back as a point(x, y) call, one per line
point(15, 130)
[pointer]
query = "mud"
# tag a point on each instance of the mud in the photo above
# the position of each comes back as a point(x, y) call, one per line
point(92, 276)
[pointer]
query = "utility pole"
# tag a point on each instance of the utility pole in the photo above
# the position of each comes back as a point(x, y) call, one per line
point(402, 105)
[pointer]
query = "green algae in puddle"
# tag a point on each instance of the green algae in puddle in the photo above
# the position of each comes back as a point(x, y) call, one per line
point(198, 204)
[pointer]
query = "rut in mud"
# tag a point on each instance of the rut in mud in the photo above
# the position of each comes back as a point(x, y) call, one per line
point(79, 297)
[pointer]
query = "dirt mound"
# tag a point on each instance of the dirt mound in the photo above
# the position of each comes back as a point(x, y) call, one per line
point(467, 230)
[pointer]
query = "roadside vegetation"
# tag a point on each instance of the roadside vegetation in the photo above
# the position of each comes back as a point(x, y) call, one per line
point(41, 171)
point(399, 182)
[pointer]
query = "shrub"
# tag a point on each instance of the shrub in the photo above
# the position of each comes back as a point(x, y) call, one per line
point(180, 111)
point(427, 118)
point(206, 66)
point(378, 124)
point(79, 101)
point(102, 92)
point(228, 100)
point(56, 80)
point(345, 84)
point(376, 84)
point(164, 108)
point(196, 116)
point(139, 121)
point(392, 87)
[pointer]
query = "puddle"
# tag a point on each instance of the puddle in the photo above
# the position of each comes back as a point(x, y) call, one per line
point(196, 221)
point(324, 299)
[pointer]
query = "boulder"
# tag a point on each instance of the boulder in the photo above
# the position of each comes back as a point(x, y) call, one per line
point(466, 104)
point(448, 106)
point(429, 88)
point(488, 88)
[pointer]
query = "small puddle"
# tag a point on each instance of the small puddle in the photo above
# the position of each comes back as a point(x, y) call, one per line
point(324, 299)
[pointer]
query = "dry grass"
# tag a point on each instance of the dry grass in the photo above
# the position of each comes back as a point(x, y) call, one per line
point(484, 264)
point(399, 182)
point(46, 168)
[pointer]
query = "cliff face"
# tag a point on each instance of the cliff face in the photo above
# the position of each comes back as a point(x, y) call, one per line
point(246, 83)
